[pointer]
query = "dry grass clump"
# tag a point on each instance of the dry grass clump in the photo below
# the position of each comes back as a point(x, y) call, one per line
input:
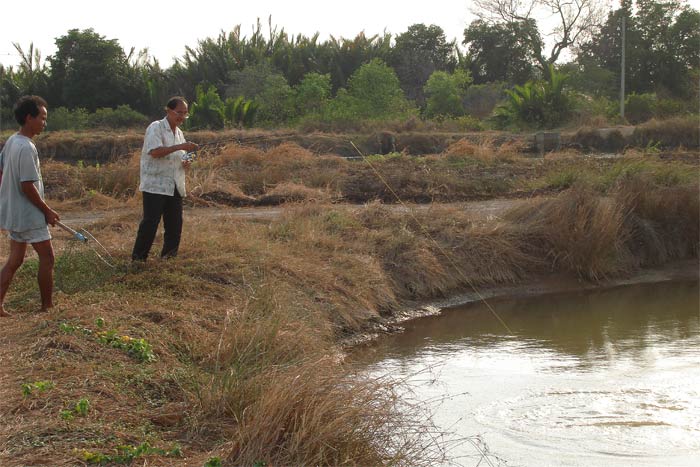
point(433, 253)
point(336, 419)
point(117, 179)
point(466, 147)
point(644, 221)
point(291, 192)
point(206, 186)
point(577, 232)
point(664, 222)
point(674, 132)
point(290, 154)
point(485, 150)
point(90, 147)
point(61, 181)
point(592, 139)
point(256, 171)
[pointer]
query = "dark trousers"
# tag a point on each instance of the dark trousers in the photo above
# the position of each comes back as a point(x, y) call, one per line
point(155, 207)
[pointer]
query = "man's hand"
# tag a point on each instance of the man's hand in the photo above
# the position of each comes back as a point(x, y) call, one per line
point(189, 146)
point(51, 216)
point(186, 164)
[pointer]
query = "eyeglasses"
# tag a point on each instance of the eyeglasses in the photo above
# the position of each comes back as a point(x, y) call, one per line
point(180, 113)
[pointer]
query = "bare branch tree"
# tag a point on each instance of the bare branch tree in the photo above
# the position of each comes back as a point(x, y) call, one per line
point(574, 21)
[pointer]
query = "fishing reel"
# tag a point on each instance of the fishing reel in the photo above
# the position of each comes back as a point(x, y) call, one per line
point(189, 156)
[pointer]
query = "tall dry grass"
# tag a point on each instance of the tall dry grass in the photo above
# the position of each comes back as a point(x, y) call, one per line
point(335, 419)
point(670, 133)
point(578, 232)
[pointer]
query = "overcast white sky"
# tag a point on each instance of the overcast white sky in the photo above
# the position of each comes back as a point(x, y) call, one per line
point(167, 27)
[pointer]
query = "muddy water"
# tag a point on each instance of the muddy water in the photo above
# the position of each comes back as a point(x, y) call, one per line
point(606, 378)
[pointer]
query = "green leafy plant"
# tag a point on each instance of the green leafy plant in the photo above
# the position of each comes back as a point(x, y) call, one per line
point(126, 454)
point(40, 386)
point(207, 111)
point(138, 349)
point(213, 462)
point(81, 409)
point(543, 104)
point(240, 112)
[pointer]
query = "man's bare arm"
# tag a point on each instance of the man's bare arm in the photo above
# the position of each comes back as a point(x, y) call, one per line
point(30, 191)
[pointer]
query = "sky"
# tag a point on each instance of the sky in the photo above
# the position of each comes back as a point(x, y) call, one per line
point(165, 28)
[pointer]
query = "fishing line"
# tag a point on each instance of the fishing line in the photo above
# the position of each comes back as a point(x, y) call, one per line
point(84, 264)
point(430, 237)
point(87, 238)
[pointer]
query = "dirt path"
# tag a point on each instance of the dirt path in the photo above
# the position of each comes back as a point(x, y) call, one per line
point(487, 210)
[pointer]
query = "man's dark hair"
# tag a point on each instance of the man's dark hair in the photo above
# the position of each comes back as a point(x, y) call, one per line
point(28, 105)
point(172, 103)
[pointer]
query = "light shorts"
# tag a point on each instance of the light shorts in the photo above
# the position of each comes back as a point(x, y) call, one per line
point(31, 236)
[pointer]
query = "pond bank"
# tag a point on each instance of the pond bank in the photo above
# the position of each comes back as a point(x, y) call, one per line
point(685, 270)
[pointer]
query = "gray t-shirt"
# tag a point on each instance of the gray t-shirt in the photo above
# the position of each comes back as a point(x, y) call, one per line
point(19, 162)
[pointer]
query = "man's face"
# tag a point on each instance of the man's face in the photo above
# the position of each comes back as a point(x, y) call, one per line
point(37, 124)
point(179, 114)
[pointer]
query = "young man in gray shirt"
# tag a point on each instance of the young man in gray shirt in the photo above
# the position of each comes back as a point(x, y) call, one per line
point(23, 212)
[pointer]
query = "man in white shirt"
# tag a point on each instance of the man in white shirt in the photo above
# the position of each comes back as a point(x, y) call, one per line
point(163, 181)
point(23, 212)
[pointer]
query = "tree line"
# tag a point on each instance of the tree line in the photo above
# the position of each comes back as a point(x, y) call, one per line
point(506, 74)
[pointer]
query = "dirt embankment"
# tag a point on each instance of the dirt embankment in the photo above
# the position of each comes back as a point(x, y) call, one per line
point(102, 147)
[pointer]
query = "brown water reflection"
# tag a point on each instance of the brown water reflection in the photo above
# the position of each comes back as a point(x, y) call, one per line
point(598, 378)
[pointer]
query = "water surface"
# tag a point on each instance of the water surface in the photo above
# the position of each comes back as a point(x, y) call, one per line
point(605, 378)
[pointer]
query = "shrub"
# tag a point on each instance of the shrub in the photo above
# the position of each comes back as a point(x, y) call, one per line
point(240, 112)
point(480, 100)
point(444, 92)
point(542, 104)
point(121, 117)
point(639, 107)
point(207, 111)
point(63, 118)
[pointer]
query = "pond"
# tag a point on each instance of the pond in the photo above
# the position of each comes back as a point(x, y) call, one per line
point(609, 377)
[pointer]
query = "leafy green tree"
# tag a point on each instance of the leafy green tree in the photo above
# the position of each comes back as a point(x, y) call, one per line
point(445, 92)
point(268, 88)
point(276, 100)
point(9, 93)
point(375, 91)
point(249, 82)
point(343, 57)
point(312, 93)
point(90, 71)
point(501, 52)
point(207, 111)
point(416, 54)
point(216, 60)
point(662, 39)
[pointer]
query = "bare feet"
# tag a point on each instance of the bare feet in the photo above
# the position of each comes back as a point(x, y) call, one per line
point(46, 308)
point(3, 313)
